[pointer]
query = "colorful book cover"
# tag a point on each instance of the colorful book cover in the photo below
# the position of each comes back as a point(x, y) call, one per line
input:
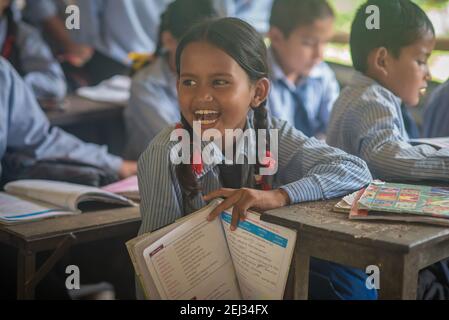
point(404, 198)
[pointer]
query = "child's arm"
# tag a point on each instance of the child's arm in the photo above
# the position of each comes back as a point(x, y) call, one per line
point(388, 154)
point(42, 71)
point(309, 170)
point(161, 196)
point(29, 131)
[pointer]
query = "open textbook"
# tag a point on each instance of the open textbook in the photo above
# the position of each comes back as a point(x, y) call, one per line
point(29, 200)
point(194, 259)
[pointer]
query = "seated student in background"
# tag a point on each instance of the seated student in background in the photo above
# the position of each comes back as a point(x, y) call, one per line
point(304, 87)
point(436, 114)
point(24, 48)
point(392, 70)
point(47, 15)
point(255, 12)
point(154, 101)
point(116, 28)
point(366, 121)
point(223, 84)
point(24, 129)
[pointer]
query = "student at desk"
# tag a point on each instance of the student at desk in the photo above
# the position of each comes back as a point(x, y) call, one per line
point(24, 129)
point(366, 121)
point(154, 101)
point(24, 48)
point(436, 115)
point(304, 86)
point(223, 85)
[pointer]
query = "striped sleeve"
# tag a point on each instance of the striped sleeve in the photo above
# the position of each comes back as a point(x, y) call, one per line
point(388, 153)
point(311, 170)
point(161, 202)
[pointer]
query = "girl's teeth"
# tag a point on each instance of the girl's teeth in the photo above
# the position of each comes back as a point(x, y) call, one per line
point(207, 122)
point(205, 112)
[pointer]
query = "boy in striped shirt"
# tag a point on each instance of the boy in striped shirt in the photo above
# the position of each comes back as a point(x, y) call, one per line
point(391, 63)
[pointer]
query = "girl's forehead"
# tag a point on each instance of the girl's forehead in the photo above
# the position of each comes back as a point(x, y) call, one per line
point(203, 56)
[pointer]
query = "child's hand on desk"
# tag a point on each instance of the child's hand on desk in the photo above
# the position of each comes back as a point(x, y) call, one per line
point(128, 169)
point(244, 199)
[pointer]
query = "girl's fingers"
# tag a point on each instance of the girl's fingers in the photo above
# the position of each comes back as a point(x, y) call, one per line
point(220, 193)
point(226, 204)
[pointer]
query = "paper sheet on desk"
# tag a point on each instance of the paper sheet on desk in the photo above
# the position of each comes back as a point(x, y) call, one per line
point(115, 89)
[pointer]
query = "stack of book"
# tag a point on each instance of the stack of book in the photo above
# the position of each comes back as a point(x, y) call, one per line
point(398, 202)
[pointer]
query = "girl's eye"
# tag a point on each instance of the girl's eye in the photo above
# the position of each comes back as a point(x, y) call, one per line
point(188, 83)
point(220, 82)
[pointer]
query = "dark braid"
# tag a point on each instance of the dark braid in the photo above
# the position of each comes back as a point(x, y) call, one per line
point(184, 172)
point(261, 123)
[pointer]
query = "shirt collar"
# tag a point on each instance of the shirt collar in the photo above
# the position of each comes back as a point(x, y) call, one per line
point(278, 74)
point(216, 156)
point(360, 80)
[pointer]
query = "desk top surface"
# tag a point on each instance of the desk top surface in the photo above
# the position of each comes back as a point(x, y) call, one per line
point(65, 225)
point(318, 219)
point(78, 109)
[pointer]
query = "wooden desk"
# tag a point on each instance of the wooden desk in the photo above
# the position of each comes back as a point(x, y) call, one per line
point(399, 250)
point(96, 122)
point(58, 235)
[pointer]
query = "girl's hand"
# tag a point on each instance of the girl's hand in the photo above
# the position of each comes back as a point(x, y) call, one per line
point(244, 199)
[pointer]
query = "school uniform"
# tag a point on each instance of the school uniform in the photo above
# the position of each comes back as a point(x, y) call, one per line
point(307, 104)
point(367, 122)
point(36, 11)
point(255, 12)
point(436, 115)
point(153, 106)
point(25, 49)
point(116, 28)
point(308, 170)
point(24, 128)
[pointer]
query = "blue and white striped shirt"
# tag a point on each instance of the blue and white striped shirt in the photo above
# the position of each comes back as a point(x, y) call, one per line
point(308, 170)
point(436, 115)
point(367, 122)
point(24, 128)
point(306, 105)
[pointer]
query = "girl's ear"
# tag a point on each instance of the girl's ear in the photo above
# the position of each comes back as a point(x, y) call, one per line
point(262, 89)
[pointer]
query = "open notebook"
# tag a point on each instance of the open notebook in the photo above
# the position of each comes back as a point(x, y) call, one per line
point(30, 200)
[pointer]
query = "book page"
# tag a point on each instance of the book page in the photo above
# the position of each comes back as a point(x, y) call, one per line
point(193, 262)
point(16, 209)
point(261, 253)
point(61, 194)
